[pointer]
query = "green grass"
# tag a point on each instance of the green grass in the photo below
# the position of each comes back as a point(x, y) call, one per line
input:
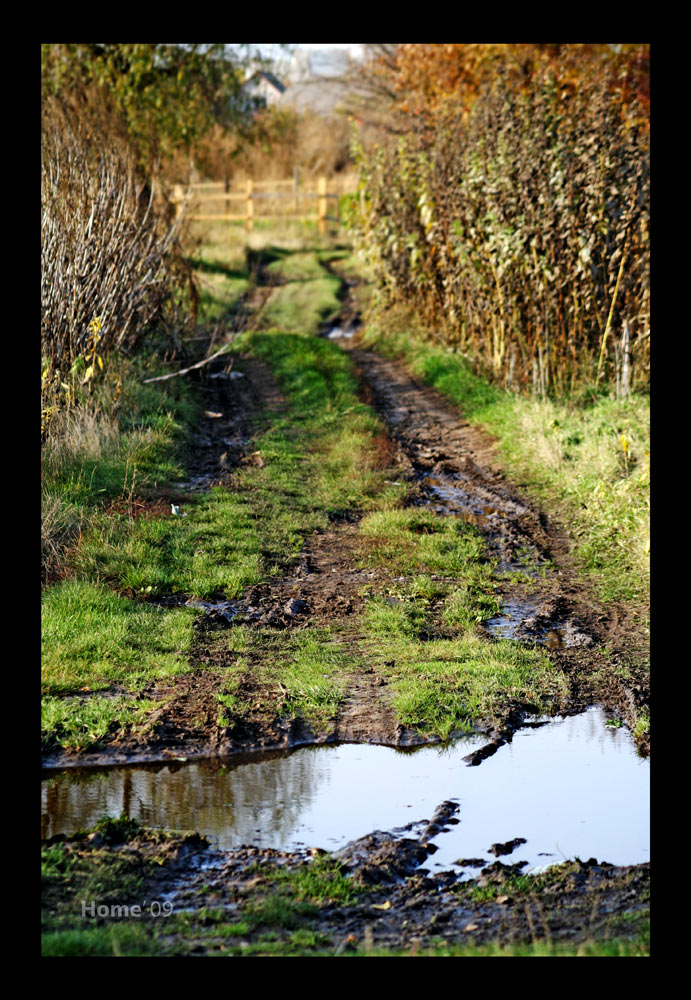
point(447, 686)
point(93, 637)
point(221, 270)
point(80, 726)
point(122, 440)
point(423, 634)
point(616, 947)
point(118, 939)
point(310, 665)
point(319, 459)
point(587, 457)
point(302, 306)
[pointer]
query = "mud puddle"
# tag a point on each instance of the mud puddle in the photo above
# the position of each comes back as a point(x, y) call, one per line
point(343, 332)
point(563, 788)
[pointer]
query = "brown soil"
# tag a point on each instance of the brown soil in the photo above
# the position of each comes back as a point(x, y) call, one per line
point(599, 650)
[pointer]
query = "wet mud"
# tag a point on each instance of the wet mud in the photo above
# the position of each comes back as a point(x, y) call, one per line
point(396, 902)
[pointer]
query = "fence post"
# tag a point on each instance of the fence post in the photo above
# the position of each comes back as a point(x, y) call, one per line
point(321, 190)
point(178, 199)
point(249, 211)
point(626, 359)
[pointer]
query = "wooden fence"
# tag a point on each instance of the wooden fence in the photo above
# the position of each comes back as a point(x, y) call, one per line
point(254, 193)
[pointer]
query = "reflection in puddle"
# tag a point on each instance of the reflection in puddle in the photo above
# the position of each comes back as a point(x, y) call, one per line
point(504, 626)
point(448, 498)
point(572, 787)
point(223, 608)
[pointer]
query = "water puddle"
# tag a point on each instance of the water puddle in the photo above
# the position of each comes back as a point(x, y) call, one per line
point(571, 787)
point(342, 332)
point(224, 609)
point(522, 620)
point(446, 497)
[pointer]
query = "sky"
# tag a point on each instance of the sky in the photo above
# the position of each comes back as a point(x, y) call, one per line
point(272, 49)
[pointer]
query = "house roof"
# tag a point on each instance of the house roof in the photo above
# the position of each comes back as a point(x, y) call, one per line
point(263, 74)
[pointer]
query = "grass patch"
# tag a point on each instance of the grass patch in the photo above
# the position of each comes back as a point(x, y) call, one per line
point(447, 686)
point(121, 939)
point(303, 306)
point(80, 726)
point(619, 947)
point(125, 439)
point(308, 667)
point(422, 635)
point(93, 638)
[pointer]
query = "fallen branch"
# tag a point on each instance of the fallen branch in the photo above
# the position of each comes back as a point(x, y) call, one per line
point(183, 371)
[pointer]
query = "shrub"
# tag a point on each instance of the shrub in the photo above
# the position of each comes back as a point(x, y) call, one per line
point(520, 233)
point(109, 265)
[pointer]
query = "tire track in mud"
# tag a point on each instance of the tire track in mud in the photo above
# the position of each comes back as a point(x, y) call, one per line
point(454, 464)
point(323, 588)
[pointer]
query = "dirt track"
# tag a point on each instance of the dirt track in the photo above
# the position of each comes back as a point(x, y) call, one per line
point(452, 467)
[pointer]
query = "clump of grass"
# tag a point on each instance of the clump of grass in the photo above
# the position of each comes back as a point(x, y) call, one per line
point(448, 686)
point(80, 727)
point(93, 638)
point(122, 939)
point(314, 676)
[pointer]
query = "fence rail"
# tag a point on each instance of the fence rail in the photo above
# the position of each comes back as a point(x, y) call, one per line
point(197, 195)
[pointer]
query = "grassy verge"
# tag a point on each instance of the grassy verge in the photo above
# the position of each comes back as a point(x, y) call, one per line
point(587, 457)
point(123, 440)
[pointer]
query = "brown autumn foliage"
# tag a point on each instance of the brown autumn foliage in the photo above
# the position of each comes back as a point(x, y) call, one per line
point(423, 79)
point(515, 217)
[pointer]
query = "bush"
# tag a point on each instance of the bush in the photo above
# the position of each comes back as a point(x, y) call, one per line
point(521, 233)
point(109, 265)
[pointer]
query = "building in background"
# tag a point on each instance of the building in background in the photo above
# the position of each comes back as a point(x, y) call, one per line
point(317, 80)
point(262, 88)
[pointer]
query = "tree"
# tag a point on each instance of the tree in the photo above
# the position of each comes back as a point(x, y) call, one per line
point(406, 87)
point(166, 97)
